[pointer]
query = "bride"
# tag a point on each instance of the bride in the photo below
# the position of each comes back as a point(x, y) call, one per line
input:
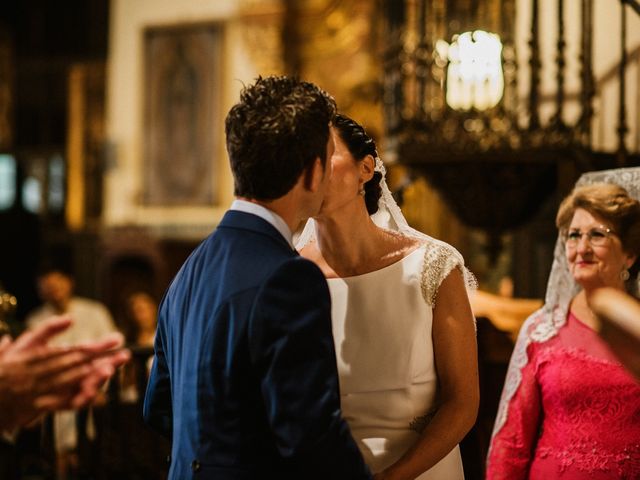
point(402, 325)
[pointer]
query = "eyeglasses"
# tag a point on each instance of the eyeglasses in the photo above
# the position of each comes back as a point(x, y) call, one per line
point(596, 237)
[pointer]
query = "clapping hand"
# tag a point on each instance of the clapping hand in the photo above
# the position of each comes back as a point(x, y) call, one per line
point(36, 378)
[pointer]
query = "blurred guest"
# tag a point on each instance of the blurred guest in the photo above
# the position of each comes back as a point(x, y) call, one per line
point(92, 321)
point(568, 407)
point(142, 310)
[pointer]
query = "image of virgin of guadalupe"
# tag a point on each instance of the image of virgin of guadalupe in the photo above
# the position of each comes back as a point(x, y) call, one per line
point(180, 109)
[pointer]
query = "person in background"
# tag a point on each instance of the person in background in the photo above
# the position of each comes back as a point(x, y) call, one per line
point(91, 321)
point(142, 312)
point(244, 377)
point(402, 324)
point(569, 409)
point(56, 289)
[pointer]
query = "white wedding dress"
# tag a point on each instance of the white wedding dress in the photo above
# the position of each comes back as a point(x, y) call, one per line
point(382, 324)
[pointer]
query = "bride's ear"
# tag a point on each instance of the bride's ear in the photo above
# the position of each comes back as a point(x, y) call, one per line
point(367, 165)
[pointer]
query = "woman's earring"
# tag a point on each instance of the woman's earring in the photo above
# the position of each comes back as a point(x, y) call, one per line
point(624, 275)
point(361, 191)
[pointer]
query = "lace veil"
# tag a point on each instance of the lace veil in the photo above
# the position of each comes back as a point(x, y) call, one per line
point(561, 288)
point(390, 217)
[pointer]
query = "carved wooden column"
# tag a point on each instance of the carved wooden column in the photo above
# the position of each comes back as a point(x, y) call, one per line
point(557, 120)
point(393, 98)
point(586, 73)
point(85, 145)
point(622, 110)
point(534, 62)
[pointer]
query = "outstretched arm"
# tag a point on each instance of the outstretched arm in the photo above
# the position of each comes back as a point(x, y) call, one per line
point(36, 378)
point(619, 325)
point(454, 344)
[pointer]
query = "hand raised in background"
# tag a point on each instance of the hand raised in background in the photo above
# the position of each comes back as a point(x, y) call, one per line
point(619, 325)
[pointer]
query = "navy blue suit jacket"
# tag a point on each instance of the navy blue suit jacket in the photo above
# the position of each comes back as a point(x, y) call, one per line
point(244, 378)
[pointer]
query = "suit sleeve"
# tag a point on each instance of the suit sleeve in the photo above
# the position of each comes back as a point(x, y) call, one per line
point(157, 400)
point(293, 354)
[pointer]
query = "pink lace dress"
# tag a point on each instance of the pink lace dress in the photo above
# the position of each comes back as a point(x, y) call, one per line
point(576, 414)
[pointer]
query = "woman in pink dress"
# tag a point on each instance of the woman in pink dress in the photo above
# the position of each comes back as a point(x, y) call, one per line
point(569, 410)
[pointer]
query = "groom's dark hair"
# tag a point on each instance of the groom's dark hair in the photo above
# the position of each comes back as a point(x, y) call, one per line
point(275, 133)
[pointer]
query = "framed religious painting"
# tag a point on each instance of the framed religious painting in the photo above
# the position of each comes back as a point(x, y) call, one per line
point(181, 109)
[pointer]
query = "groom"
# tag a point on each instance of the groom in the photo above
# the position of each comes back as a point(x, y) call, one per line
point(244, 377)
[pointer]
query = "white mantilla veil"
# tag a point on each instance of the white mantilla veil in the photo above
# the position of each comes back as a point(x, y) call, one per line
point(390, 217)
point(545, 323)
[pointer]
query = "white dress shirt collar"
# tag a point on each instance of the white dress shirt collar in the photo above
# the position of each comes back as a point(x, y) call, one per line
point(273, 218)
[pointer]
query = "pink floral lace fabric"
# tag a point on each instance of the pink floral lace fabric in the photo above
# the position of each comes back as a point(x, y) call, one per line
point(576, 414)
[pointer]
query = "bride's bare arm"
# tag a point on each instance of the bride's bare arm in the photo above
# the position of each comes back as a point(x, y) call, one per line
point(455, 350)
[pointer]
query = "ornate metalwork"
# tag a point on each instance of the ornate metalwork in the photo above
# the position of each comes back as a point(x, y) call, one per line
point(557, 121)
point(633, 4)
point(586, 70)
point(508, 155)
point(622, 111)
point(534, 62)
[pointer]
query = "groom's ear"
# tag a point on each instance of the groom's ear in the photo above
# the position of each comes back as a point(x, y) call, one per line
point(367, 166)
point(314, 175)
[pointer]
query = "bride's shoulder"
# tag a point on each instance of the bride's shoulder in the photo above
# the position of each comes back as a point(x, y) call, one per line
point(399, 245)
point(440, 259)
point(437, 249)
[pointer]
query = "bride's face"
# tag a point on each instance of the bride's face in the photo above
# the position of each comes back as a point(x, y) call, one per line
point(345, 179)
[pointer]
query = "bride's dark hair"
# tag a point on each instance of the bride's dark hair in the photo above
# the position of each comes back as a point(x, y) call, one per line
point(360, 144)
